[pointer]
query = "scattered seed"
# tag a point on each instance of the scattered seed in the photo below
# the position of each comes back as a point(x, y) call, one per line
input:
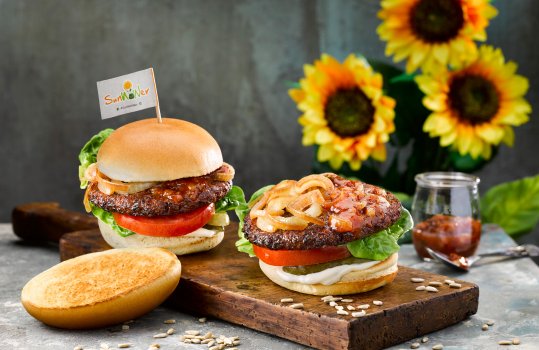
point(124, 345)
point(420, 288)
point(125, 327)
point(414, 346)
point(216, 347)
point(516, 341)
point(490, 323)
point(236, 342)
point(505, 342)
point(417, 279)
point(154, 346)
point(161, 335)
point(484, 327)
point(235, 338)
point(169, 321)
point(363, 306)
point(449, 281)
point(377, 302)
point(425, 339)
point(350, 307)
point(438, 347)
point(297, 306)
point(195, 341)
point(347, 300)
point(332, 303)
point(455, 285)
point(104, 346)
point(78, 347)
point(342, 312)
point(336, 299)
point(202, 320)
point(187, 341)
point(208, 335)
point(327, 298)
point(431, 289)
point(170, 331)
point(205, 341)
point(190, 332)
point(189, 336)
point(339, 307)
point(359, 313)
point(211, 343)
point(287, 300)
point(233, 349)
point(435, 283)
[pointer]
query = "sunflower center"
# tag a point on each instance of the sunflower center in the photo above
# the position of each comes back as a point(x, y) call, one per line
point(437, 21)
point(349, 112)
point(474, 98)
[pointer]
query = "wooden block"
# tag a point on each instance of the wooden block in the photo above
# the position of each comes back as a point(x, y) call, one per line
point(229, 285)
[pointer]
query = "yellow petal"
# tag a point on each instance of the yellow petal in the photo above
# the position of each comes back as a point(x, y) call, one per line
point(355, 164)
point(441, 53)
point(476, 148)
point(379, 153)
point(436, 103)
point(296, 94)
point(490, 133)
point(448, 139)
point(516, 87)
point(325, 153)
point(509, 136)
point(487, 152)
point(428, 84)
point(324, 136)
point(336, 162)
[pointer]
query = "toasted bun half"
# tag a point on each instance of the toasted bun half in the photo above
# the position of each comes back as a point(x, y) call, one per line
point(146, 150)
point(353, 282)
point(181, 245)
point(102, 289)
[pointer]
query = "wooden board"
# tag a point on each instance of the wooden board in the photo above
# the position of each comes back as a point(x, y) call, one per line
point(229, 285)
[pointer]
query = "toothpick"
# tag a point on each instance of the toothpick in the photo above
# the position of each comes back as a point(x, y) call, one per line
point(157, 109)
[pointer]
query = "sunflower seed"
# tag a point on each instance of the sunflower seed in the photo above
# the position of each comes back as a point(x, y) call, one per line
point(425, 339)
point(347, 300)
point(484, 327)
point(104, 346)
point(190, 332)
point(222, 346)
point(206, 341)
point(124, 345)
point(435, 283)
point(160, 335)
point(350, 307)
point(297, 306)
point(431, 289)
point(359, 313)
point(154, 346)
point(216, 347)
point(236, 342)
point(417, 279)
point(336, 299)
point(188, 336)
point(438, 347)
point(516, 341)
point(169, 321)
point(202, 320)
point(195, 341)
point(449, 281)
point(377, 302)
point(420, 288)
point(78, 347)
point(327, 298)
point(332, 303)
point(490, 323)
point(211, 343)
point(287, 300)
point(455, 285)
point(187, 341)
point(505, 342)
point(125, 327)
point(363, 306)
point(342, 312)
point(414, 345)
point(170, 331)
point(339, 307)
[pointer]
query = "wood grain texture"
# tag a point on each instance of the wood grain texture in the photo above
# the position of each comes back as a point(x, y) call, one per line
point(229, 285)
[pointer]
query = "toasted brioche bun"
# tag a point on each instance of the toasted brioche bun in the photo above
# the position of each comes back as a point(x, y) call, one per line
point(354, 282)
point(102, 289)
point(146, 150)
point(178, 245)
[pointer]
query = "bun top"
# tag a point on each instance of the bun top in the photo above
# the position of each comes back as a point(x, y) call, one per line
point(146, 150)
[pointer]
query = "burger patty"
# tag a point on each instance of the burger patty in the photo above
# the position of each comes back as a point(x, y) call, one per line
point(318, 236)
point(166, 198)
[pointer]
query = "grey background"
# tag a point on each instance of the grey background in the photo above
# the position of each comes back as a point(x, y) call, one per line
point(220, 64)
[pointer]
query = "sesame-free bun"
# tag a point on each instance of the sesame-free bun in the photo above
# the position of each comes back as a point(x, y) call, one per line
point(102, 289)
point(353, 282)
point(146, 150)
point(180, 245)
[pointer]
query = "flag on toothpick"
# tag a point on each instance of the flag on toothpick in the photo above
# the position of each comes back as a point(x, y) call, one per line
point(128, 93)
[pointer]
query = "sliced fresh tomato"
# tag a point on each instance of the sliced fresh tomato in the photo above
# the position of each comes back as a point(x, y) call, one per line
point(300, 257)
point(167, 226)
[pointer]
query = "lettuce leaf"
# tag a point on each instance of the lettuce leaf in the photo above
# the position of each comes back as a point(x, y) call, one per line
point(235, 198)
point(108, 219)
point(88, 153)
point(242, 244)
point(382, 244)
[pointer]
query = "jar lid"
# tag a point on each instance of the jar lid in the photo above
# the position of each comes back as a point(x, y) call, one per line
point(441, 179)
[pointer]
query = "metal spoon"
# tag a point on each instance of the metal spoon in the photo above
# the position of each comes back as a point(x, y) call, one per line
point(463, 263)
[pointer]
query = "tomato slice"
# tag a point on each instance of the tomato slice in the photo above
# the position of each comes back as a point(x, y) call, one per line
point(300, 257)
point(167, 226)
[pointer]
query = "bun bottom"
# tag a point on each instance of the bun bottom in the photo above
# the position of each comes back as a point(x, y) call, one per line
point(178, 245)
point(351, 283)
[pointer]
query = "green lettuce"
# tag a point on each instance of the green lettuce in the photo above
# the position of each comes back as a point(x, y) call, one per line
point(108, 219)
point(242, 244)
point(88, 154)
point(234, 199)
point(382, 244)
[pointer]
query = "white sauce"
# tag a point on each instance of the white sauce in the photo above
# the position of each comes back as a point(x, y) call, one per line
point(202, 232)
point(326, 277)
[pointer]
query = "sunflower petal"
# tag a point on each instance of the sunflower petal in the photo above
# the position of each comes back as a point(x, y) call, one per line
point(509, 136)
point(325, 153)
point(324, 136)
point(490, 133)
point(336, 162)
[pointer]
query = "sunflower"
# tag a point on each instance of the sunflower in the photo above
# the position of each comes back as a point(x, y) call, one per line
point(344, 111)
point(429, 33)
point(127, 85)
point(475, 107)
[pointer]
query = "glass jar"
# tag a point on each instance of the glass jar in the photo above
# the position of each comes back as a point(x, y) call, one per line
point(445, 209)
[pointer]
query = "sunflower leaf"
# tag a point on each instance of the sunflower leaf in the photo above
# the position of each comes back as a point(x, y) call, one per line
point(513, 205)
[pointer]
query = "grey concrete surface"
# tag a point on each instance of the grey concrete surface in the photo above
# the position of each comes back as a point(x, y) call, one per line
point(508, 295)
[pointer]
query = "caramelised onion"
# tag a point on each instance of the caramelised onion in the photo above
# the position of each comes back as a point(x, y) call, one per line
point(309, 200)
point(86, 202)
point(314, 181)
point(226, 173)
point(108, 186)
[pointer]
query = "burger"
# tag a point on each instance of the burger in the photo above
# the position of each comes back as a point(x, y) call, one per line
point(154, 184)
point(324, 234)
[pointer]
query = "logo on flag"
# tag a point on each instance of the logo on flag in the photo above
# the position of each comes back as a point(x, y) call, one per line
point(128, 93)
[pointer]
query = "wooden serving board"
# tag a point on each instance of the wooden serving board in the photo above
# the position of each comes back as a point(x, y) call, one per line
point(229, 285)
